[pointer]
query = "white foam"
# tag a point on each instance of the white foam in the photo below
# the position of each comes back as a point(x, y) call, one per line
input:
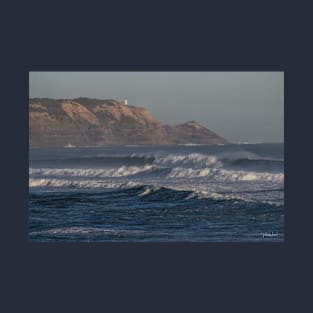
point(132, 170)
point(206, 194)
point(213, 189)
point(236, 196)
point(202, 175)
point(53, 182)
point(269, 235)
point(224, 175)
point(77, 230)
point(192, 159)
point(191, 144)
point(199, 160)
point(89, 172)
point(149, 189)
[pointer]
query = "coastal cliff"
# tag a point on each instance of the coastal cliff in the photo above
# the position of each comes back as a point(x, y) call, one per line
point(88, 122)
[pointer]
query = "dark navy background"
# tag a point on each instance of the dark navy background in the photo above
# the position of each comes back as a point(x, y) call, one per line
point(265, 277)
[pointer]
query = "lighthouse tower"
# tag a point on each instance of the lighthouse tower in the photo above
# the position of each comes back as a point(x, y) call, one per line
point(125, 102)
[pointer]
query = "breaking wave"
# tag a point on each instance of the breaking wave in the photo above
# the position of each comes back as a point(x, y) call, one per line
point(202, 175)
point(99, 160)
point(176, 172)
point(53, 182)
point(236, 160)
point(204, 193)
point(224, 175)
point(152, 192)
point(92, 172)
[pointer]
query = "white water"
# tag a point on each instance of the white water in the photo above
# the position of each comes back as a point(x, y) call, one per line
point(204, 174)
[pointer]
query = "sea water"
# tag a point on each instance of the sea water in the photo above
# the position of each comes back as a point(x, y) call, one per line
point(198, 193)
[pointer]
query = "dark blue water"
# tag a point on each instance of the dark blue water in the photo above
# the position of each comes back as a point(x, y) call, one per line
point(168, 193)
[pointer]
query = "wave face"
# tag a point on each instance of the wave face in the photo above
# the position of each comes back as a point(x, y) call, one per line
point(95, 192)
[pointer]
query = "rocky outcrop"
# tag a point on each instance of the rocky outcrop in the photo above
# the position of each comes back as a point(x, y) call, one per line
point(192, 132)
point(88, 122)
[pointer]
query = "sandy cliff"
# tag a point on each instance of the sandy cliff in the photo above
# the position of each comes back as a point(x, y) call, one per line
point(85, 121)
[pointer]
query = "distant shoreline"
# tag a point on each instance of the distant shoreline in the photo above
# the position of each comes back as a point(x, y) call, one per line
point(160, 145)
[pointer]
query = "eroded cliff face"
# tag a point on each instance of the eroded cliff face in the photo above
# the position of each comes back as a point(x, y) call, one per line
point(87, 122)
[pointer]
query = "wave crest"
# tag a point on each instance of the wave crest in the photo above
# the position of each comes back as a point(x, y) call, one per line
point(242, 160)
point(53, 182)
point(90, 172)
point(224, 175)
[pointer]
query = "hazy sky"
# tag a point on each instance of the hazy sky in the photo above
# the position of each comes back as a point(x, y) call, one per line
point(240, 106)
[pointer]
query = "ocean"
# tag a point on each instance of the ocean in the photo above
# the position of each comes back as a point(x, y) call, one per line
point(181, 193)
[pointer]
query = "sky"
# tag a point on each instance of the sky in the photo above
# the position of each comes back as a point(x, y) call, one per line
point(240, 106)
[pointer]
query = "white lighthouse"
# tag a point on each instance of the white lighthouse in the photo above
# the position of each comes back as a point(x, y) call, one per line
point(125, 102)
